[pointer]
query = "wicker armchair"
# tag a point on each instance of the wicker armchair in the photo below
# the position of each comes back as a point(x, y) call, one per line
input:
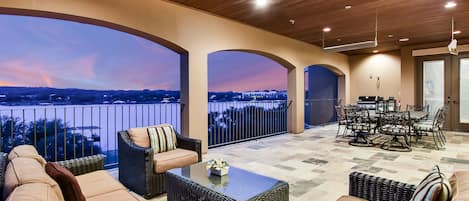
point(373, 188)
point(136, 166)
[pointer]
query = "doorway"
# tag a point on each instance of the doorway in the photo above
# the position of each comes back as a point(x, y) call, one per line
point(444, 80)
point(323, 89)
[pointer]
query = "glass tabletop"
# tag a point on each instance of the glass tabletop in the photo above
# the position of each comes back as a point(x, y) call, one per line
point(238, 184)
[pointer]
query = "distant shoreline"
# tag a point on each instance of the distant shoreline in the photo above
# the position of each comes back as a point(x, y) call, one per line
point(46, 96)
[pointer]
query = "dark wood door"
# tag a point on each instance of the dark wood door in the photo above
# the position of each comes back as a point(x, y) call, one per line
point(444, 80)
point(459, 102)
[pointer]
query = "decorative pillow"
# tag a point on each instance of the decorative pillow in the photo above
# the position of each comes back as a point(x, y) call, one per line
point(162, 138)
point(460, 185)
point(26, 151)
point(434, 187)
point(139, 136)
point(68, 183)
point(154, 141)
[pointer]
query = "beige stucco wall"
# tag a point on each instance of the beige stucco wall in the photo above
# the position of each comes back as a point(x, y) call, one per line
point(385, 65)
point(199, 33)
point(408, 76)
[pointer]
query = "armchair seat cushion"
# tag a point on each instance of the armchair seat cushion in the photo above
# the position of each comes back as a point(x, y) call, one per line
point(349, 198)
point(119, 195)
point(98, 183)
point(174, 159)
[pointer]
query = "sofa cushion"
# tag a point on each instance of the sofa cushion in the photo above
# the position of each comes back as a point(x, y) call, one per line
point(27, 151)
point(435, 186)
point(33, 192)
point(460, 185)
point(174, 159)
point(349, 198)
point(22, 171)
point(139, 136)
point(97, 183)
point(119, 195)
point(68, 183)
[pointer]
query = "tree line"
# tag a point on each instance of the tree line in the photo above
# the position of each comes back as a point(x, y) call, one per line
point(54, 139)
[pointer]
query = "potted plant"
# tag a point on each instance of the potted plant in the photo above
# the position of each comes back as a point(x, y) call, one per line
point(218, 167)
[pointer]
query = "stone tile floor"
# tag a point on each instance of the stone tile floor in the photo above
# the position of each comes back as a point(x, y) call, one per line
point(316, 164)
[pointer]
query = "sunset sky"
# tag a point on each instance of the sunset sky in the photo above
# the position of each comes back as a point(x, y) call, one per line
point(55, 53)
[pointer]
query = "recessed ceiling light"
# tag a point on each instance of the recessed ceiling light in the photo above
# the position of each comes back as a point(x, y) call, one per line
point(404, 39)
point(292, 21)
point(262, 3)
point(450, 4)
point(326, 29)
point(390, 36)
point(348, 7)
point(375, 51)
point(457, 32)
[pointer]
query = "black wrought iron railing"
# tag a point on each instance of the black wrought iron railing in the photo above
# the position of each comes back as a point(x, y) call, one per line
point(73, 131)
point(231, 122)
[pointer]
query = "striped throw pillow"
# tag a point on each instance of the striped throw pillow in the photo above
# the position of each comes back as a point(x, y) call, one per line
point(435, 186)
point(162, 138)
point(170, 136)
point(154, 141)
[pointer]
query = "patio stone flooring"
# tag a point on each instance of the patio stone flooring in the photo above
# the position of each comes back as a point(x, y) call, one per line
point(316, 164)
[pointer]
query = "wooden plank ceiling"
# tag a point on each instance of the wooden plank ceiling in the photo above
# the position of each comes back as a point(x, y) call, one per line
point(422, 21)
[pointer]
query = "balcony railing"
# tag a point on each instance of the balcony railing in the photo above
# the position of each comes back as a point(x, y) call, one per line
point(231, 122)
point(320, 111)
point(67, 132)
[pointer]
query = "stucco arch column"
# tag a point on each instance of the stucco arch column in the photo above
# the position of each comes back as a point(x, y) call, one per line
point(194, 96)
point(296, 100)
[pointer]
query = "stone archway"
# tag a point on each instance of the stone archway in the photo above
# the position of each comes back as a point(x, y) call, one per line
point(292, 113)
point(197, 32)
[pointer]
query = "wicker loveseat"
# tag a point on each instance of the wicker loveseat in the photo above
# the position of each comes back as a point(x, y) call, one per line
point(364, 187)
point(24, 178)
point(142, 170)
point(367, 187)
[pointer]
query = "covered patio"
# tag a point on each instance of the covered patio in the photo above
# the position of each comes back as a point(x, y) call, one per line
point(316, 164)
point(379, 60)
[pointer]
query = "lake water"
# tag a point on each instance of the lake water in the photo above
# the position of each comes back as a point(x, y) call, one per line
point(102, 120)
point(106, 120)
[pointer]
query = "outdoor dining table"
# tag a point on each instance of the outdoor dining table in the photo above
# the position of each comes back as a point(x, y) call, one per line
point(414, 115)
point(374, 118)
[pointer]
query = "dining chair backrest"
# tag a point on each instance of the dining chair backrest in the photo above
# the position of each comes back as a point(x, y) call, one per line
point(422, 108)
point(395, 123)
point(391, 105)
point(340, 112)
point(380, 106)
point(442, 117)
point(438, 118)
point(358, 120)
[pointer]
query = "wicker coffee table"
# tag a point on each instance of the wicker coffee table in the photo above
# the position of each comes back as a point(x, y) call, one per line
point(195, 183)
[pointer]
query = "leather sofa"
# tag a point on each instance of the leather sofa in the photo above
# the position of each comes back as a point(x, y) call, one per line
point(25, 179)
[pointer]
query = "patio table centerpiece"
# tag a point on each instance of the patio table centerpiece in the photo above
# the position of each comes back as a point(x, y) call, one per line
point(218, 167)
